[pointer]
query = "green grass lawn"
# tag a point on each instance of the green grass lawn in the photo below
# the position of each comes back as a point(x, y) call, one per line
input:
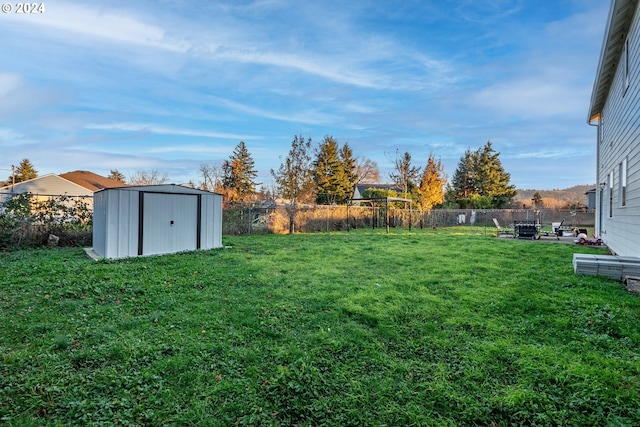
point(429, 327)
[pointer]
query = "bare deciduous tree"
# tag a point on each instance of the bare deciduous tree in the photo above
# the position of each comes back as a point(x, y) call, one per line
point(367, 171)
point(151, 177)
point(211, 177)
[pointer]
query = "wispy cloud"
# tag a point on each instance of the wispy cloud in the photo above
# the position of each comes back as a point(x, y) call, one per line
point(10, 137)
point(162, 130)
point(99, 22)
point(168, 84)
point(18, 97)
point(368, 61)
point(548, 154)
point(308, 116)
point(9, 82)
point(222, 150)
point(530, 98)
point(487, 12)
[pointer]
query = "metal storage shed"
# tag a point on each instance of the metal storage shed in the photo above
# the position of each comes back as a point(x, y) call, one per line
point(155, 219)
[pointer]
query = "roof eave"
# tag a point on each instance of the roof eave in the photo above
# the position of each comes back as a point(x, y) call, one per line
point(620, 16)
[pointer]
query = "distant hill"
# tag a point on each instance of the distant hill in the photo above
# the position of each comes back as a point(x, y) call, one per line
point(572, 196)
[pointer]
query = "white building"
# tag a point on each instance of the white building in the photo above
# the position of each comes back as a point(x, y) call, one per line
point(76, 184)
point(155, 219)
point(615, 110)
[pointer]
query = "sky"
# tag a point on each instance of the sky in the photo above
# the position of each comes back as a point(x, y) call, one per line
point(170, 85)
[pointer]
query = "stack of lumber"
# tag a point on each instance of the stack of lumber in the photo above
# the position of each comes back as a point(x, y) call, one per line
point(616, 267)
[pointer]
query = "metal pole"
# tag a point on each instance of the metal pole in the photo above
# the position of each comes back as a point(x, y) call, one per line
point(327, 219)
point(348, 203)
point(388, 216)
point(374, 216)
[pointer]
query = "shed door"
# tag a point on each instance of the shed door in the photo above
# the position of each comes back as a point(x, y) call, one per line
point(169, 223)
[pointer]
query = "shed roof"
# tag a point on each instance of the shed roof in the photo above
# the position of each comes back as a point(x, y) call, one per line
point(621, 14)
point(162, 188)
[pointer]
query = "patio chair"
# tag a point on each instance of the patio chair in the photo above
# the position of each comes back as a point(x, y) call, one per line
point(502, 230)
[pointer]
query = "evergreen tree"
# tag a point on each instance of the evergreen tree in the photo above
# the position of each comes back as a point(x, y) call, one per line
point(328, 172)
point(480, 179)
point(431, 190)
point(463, 178)
point(350, 167)
point(537, 200)
point(239, 174)
point(406, 175)
point(294, 178)
point(24, 172)
point(116, 176)
point(334, 172)
point(491, 179)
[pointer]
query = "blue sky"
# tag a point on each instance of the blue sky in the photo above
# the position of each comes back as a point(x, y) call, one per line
point(169, 85)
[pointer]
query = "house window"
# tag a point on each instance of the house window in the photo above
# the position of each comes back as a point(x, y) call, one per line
point(611, 195)
point(622, 187)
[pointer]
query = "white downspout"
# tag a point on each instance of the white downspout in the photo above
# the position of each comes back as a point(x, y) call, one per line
point(598, 219)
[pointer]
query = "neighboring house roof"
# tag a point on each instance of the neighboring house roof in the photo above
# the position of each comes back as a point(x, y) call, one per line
point(78, 183)
point(361, 188)
point(620, 16)
point(91, 181)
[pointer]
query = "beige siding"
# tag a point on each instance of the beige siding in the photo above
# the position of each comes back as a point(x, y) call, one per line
point(48, 185)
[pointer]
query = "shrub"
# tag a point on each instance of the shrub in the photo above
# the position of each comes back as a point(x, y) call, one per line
point(27, 220)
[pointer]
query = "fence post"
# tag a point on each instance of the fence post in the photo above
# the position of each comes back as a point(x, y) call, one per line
point(348, 216)
point(388, 215)
point(327, 216)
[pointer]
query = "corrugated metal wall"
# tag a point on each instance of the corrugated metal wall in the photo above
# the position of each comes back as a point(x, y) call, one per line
point(169, 219)
point(170, 223)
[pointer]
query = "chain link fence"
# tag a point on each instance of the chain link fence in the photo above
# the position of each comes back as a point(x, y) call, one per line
point(29, 220)
point(251, 218)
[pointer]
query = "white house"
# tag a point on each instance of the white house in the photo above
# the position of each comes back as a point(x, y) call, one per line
point(155, 219)
point(77, 184)
point(615, 110)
